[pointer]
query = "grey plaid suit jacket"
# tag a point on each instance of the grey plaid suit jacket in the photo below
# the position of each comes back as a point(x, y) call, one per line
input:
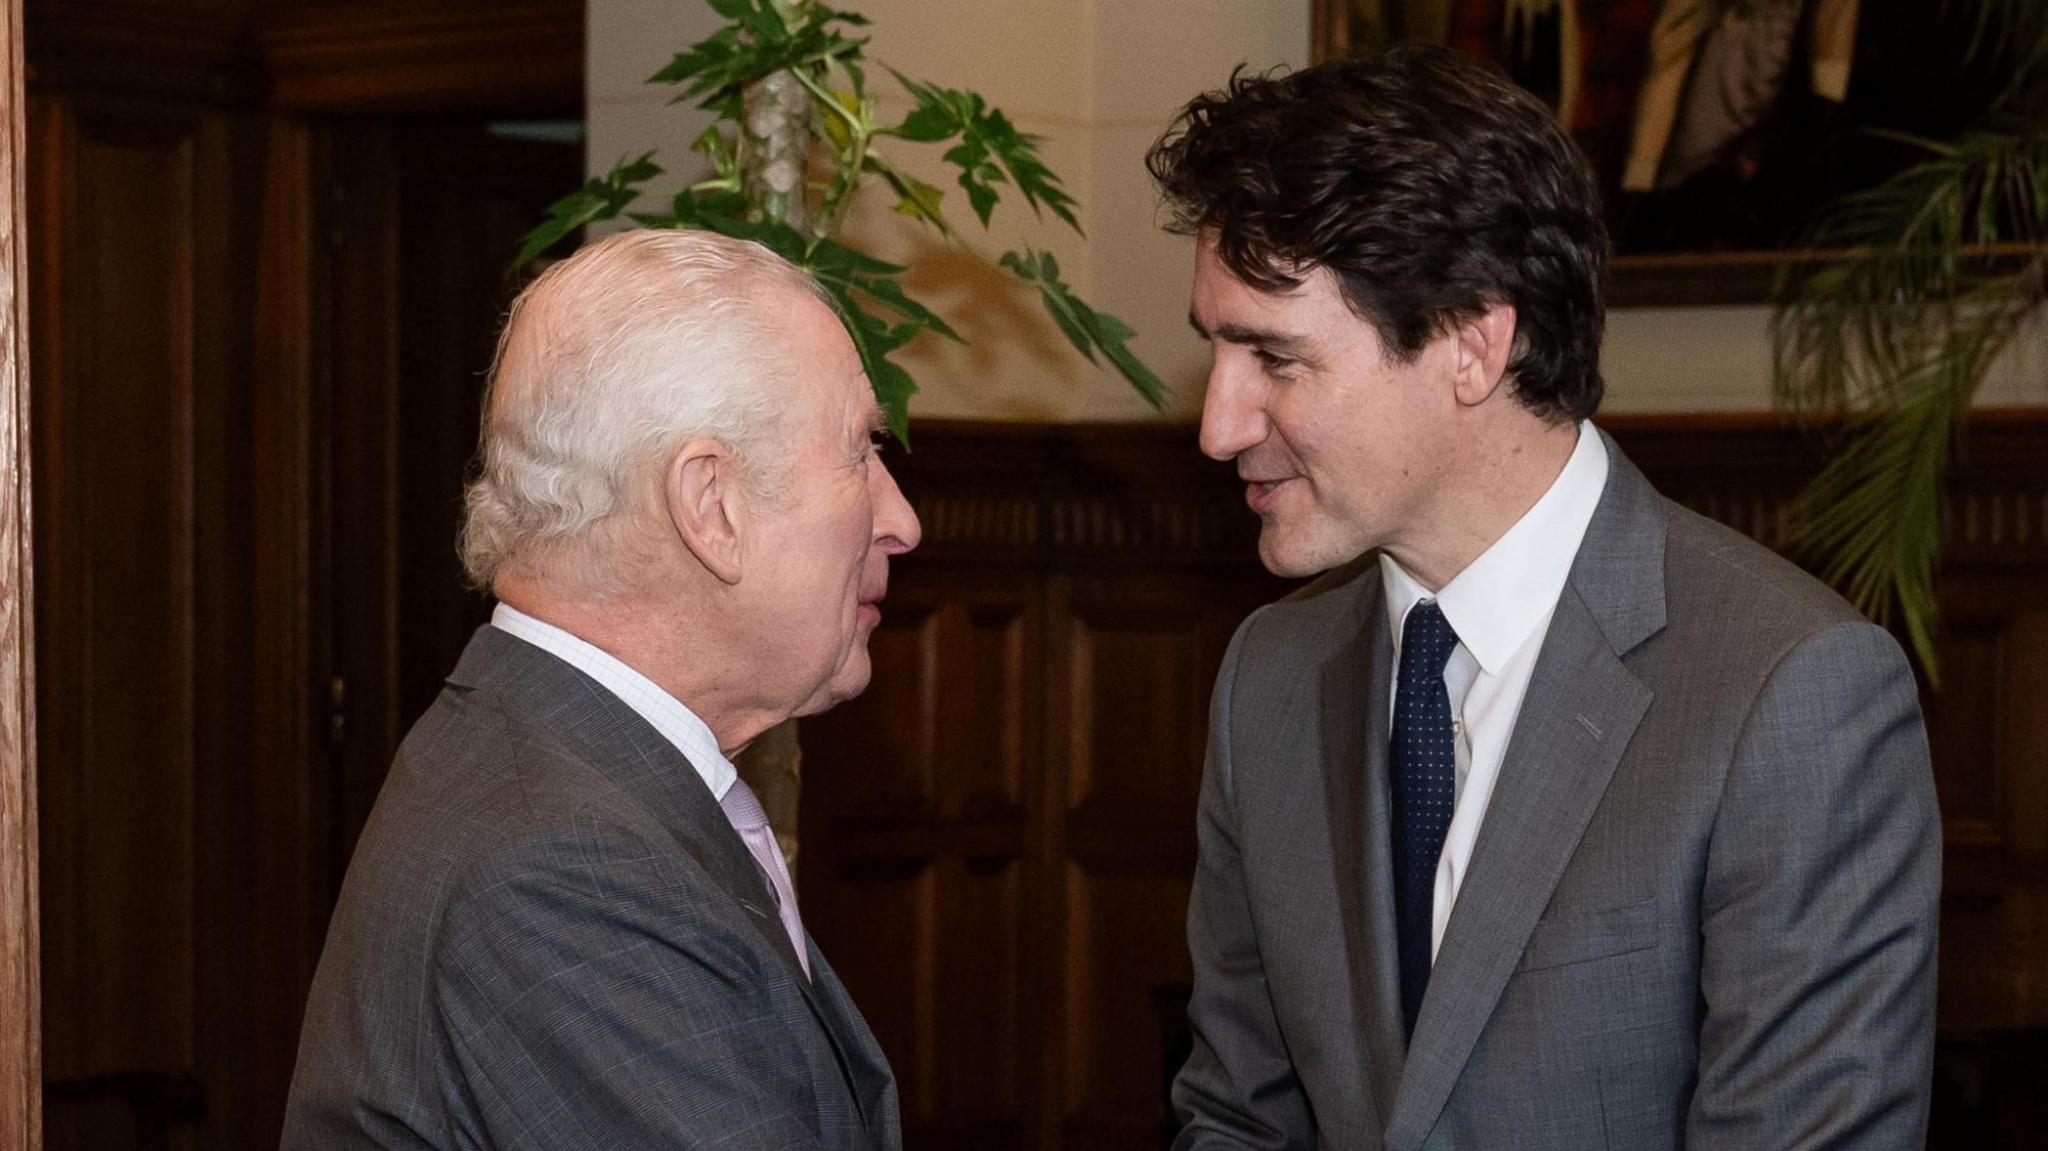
point(1700, 913)
point(551, 937)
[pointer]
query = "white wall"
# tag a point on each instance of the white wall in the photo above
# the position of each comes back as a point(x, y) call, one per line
point(1101, 79)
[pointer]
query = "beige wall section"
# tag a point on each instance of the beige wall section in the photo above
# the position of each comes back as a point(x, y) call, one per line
point(1719, 360)
point(1101, 79)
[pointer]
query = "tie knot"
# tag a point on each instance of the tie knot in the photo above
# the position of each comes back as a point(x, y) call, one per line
point(743, 808)
point(1426, 641)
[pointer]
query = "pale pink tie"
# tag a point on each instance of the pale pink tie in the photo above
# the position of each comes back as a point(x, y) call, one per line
point(743, 810)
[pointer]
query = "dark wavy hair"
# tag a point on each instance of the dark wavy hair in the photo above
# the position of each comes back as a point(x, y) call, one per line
point(1428, 183)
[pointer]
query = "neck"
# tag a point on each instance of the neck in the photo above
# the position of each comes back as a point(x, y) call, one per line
point(662, 638)
point(1497, 482)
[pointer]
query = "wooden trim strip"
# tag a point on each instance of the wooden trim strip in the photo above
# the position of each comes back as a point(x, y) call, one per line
point(499, 54)
point(20, 987)
point(204, 57)
point(514, 56)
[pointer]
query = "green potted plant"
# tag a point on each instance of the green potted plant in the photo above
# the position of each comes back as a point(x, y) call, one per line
point(796, 139)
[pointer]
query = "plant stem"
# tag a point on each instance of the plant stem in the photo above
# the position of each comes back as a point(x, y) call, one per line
point(775, 138)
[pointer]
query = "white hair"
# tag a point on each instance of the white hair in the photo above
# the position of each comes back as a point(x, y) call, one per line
point(608, 362)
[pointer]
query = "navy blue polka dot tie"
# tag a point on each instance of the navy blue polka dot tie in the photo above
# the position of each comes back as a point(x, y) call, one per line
point(1425, 790)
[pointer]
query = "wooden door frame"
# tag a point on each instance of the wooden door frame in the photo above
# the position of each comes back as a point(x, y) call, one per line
point(20, 995)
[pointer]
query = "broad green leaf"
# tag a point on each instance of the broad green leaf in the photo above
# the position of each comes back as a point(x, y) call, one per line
point(914, 197)
point(833, 256)
point(846, 270)
point(598, 199)
point(874, 339)
point(1087, 329)
point(926, 124)
point(990, 151)
point(757, 43)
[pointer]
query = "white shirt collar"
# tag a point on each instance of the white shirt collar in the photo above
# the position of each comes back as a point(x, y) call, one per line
point(676, 723)
point(1501, 597)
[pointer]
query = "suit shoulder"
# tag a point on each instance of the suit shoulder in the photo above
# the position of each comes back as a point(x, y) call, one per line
point(477, 790)
point(1713, 563)
point(1310, 618)
point(1727, 591)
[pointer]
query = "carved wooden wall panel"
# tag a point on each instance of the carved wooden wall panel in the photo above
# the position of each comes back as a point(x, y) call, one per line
point(915, 802)
point(126, 440)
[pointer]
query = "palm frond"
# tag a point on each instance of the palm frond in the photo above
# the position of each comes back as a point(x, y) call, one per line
point(1928, 275)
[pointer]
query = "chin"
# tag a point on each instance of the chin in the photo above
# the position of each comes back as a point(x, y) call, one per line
point(1286, 558)
point(1295, 557)
point(846, 683)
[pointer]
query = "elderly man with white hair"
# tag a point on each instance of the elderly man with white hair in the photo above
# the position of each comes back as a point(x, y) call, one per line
point(566, 924)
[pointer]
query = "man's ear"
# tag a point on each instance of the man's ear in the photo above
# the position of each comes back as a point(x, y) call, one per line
point(1481, 345)
point(707, 506)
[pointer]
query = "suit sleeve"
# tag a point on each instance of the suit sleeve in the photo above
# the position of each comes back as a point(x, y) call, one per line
point(1819, 911)
point(1238, 1089)
point(589, 1003)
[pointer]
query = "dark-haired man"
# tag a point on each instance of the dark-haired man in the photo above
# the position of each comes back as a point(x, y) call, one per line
point(1553, 816)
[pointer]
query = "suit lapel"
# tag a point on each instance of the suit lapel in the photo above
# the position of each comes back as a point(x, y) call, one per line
point(619, 742)
point(1576, 721)
point(1355, 685)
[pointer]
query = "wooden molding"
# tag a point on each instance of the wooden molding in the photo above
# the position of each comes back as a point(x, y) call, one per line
point(20, 986)
point(524, 55)
point(518, 56)
point(203, 57)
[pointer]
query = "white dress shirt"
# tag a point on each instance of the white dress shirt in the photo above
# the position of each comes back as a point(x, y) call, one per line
point(676, 723)
point(1500, 606)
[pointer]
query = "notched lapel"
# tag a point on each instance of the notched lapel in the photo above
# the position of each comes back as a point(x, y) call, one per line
point(1356, 682)
point(619, 742)
point(1580, 712)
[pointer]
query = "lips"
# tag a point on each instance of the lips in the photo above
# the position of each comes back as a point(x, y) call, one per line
point(1260, 494)
point(870, 605)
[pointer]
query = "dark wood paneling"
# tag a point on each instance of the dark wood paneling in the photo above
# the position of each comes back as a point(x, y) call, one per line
point(116, 442)
point(190, 54)
point(497, 56)
point(1061, 626)
point(194, 328)
point(930, 834)
point(278, 817)
point(411, 57)
point(420, 220)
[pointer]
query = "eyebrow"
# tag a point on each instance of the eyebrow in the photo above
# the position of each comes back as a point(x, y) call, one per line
point(878, 420)
point(1267, 338)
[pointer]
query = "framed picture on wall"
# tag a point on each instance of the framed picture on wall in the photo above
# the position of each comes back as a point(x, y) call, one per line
point(1718, 129)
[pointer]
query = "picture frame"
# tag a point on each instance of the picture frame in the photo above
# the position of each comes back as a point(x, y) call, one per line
point(1784, 143)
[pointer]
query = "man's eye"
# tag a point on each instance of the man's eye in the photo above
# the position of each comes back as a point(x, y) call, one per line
point(1271, 361)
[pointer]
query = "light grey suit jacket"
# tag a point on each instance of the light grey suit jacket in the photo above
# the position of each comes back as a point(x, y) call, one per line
point(551, 937)
point(1701, 911)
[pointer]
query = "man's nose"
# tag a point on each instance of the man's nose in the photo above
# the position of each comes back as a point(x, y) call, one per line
point(1232, 418)
point(896, 526)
